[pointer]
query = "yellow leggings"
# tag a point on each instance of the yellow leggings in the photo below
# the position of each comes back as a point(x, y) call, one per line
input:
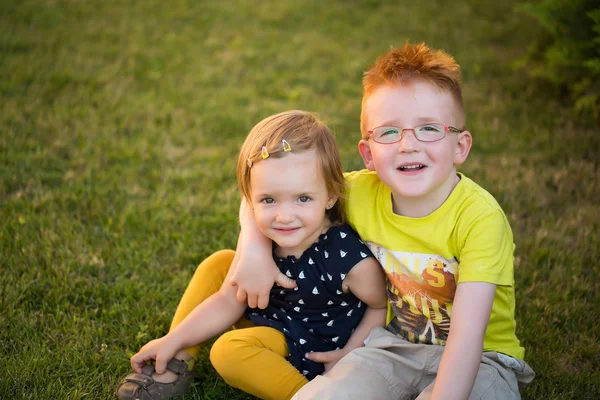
point(250, 358)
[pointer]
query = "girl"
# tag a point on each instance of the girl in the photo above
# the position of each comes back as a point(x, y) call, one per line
point(289, 172)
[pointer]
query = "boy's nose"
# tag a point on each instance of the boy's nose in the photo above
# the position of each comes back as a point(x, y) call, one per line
point(408, 142)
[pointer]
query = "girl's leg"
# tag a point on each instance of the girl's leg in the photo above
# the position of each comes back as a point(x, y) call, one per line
point(207, 280)
point(253, 360)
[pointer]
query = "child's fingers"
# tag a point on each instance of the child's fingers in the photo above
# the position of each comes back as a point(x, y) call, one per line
point(137, 361)
point(241, 294)
point(263, 300)
point(285, 281)
point(252, 301)
point(321, 357)
point(161, 365)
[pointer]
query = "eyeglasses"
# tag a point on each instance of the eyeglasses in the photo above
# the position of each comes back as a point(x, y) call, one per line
point(423, 133)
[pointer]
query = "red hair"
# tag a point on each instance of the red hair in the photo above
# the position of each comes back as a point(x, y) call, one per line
point(409, 62)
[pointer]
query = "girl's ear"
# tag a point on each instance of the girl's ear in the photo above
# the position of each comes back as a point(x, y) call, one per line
point(331, 200)
point(463, 147)
point(365, 153)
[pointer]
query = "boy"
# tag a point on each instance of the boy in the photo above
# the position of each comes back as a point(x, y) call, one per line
point(443, 241)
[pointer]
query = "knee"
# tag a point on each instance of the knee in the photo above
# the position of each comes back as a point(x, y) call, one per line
point(224, 257)
point(216, 264)
point(225, 356)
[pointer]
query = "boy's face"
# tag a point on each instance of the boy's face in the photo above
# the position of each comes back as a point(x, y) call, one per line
point(418, 173)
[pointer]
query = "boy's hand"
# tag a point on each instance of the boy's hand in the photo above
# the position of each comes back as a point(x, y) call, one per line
point(327, 358)
point(162, 350)
point(255, 278)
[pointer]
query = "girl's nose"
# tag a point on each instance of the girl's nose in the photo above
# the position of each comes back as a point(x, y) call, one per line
point(285, 215)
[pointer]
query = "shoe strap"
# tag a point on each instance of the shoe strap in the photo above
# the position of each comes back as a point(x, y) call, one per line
point(177, 366)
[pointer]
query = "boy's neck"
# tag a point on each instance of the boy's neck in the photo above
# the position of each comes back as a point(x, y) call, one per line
point(419, 207)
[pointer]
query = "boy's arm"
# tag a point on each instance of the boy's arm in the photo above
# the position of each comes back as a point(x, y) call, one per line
point(254, 270)
point(210, 318)
point(367, 282)
point(462, 355)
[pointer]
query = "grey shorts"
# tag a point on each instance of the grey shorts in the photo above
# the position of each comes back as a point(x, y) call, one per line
point(389, 367)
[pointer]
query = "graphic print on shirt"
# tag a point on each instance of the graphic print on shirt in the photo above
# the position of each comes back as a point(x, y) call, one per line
point(421, 290)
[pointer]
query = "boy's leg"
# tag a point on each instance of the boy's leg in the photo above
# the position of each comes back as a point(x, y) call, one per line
point(388, 367)
point(499, 377)
point(253, 360)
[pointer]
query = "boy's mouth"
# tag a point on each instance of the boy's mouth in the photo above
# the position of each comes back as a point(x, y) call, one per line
point(411, 167)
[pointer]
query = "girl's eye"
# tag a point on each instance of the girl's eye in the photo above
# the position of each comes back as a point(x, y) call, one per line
point(304, 199)
point(268, 200)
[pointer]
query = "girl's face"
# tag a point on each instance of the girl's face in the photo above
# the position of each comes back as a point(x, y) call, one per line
point(290, 198)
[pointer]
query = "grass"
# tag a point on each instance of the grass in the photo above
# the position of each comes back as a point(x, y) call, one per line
point(119, 128)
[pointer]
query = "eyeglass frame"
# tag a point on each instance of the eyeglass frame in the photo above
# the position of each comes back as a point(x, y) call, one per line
point(446, 129)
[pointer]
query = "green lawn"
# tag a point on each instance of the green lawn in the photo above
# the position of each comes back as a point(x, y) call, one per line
point(120, 123)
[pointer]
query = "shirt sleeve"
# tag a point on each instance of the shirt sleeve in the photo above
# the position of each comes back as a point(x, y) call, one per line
point(348, 248)
point(487, 252)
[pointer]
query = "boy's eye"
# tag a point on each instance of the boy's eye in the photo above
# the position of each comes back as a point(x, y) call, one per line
point(388, 131)
point(431, 128)
point(268, 200)
point(304, 199)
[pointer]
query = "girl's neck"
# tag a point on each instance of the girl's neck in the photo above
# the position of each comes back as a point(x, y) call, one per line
point(298, 251)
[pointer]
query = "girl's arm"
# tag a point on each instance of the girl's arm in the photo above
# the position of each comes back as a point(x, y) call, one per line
point(367, 282)
point(210, 318)
point(255, 271)
point(462, 355)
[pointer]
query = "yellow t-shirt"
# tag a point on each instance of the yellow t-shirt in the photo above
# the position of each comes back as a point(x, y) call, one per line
point(467, 239)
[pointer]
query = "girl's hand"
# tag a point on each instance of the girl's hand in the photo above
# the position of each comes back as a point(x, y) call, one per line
point(254, 270)
point(327, 358)
point(162, 350)
point(254, 276)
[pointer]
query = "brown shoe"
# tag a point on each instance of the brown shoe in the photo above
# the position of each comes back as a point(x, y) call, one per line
point(142, 387)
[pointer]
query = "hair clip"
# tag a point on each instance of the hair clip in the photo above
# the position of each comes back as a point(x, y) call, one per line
point(286, 146)
point(249, 163)
point(264, 153)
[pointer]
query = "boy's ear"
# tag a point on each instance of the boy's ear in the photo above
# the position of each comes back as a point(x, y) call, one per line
point(365, 153)
point(463, 147)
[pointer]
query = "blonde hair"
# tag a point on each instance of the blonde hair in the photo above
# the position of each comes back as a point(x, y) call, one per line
point(303, 131)
point(409, 62)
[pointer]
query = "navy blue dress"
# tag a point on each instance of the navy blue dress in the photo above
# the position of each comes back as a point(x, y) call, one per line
point(316, 315)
